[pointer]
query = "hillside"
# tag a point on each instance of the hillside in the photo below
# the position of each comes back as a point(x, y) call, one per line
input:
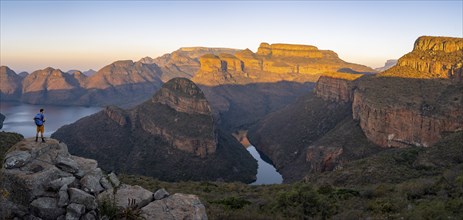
point(173, 137)
point(351, 116)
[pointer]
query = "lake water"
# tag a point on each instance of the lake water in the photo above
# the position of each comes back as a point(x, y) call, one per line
point(266, 173)
point(19, 119)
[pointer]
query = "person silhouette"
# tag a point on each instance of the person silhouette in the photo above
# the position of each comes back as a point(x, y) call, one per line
point(40, 122)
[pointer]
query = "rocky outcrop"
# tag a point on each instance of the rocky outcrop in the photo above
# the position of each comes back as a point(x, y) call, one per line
point(42, 180)
point(184, 96)
point(183, 62)
point(414, 113)
point(337, 87)
point(434, 57)
point(10, 84)
point(289, 50)
point(172, 136)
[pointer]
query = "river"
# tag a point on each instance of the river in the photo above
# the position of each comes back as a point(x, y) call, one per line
point(19, 119)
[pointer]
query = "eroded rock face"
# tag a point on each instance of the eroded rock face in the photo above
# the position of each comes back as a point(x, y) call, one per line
point(403, 122)
point(410, 104)
point(336, 87)
point(183, 62)
point(435, 57)
point(271, 63)
point(184, 96)
point(41, 189)
point(181, 95)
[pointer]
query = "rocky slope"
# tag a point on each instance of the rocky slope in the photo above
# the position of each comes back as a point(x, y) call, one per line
point(10, 84)
point(42, 180)
point(183, 62)
point(172, 136)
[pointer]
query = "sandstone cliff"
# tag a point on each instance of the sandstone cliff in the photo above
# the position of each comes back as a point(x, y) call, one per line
point(10, 84)
point(433, 57)
point(271, 63)
point(172, 136)
point(336, 86)
point(400, 112)
point(410, 104)
point(44, 181)
point(183, 62)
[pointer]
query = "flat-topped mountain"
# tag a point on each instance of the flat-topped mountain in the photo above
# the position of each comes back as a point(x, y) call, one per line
point(432, 57)
point(183, 62)
point(272, 63)
point(172, 136)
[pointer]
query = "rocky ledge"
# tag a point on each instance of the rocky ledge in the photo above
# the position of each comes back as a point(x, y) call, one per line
point(44, 181)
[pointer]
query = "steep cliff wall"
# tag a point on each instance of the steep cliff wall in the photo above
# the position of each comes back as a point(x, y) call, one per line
point(434, 57)
point(414, 103)
point(271, 63)
point(336, 86)
point(400, 112)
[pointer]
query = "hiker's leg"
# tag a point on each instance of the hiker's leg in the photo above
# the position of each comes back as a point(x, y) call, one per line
point(37, 134)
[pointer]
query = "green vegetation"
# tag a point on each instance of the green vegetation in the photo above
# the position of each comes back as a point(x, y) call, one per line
point(429, 198)
point(410, 183)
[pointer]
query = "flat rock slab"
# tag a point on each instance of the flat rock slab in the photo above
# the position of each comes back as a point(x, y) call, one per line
point(125, 193)
point(178, 206)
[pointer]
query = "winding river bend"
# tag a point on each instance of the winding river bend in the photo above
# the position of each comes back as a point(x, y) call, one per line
point(266, 173)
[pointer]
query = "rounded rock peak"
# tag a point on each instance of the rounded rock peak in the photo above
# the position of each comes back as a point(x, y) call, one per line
point(183, 87)
point(183, 95)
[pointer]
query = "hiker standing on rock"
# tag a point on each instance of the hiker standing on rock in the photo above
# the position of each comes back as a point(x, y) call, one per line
point(39, 121)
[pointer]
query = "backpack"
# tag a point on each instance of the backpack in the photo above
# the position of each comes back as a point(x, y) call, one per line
point(38, 119)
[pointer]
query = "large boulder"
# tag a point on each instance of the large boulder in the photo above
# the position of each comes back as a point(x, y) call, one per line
point(43, 181)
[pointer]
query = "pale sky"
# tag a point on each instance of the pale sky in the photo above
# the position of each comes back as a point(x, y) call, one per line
point(91, 34)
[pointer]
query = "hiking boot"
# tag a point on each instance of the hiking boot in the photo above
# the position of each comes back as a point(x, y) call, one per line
point(36, 139)
point(43, 140)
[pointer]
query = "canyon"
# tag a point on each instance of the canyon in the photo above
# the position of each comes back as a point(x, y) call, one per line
point(413, 104)
point(172, 136)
